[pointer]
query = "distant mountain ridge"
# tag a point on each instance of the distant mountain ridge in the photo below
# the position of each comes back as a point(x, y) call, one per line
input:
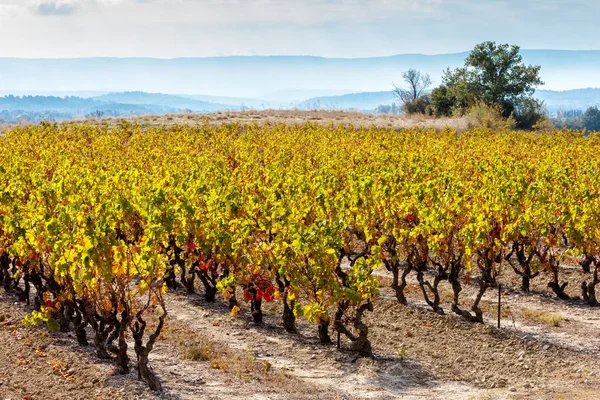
point(357, 101)
point(75, 105)
point(575, 99)
point(253, 77)
point(37, 108)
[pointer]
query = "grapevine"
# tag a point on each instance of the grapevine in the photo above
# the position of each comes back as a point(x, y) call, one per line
point(103, 222)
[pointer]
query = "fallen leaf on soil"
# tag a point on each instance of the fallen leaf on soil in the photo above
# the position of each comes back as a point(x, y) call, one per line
point(40, 353)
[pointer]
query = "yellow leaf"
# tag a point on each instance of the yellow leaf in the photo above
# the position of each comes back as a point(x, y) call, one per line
point(234, 311)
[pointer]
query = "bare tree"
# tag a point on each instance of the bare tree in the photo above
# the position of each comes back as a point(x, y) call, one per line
point(415, 85)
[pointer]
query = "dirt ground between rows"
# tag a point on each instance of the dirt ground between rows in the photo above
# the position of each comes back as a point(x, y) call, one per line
point(419, 354)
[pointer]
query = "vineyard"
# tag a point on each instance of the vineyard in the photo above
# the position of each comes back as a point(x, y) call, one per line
point(99, 225)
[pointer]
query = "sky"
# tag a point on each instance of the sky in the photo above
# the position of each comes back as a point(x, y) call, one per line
point(329, 28)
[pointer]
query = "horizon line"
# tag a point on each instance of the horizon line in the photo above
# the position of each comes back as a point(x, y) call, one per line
point(46, 93)
point(276, 56)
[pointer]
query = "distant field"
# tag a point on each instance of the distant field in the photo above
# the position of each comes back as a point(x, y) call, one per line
point(290, 117)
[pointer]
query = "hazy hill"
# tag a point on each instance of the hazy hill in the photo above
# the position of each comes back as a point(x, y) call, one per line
point(37, 108)
point(53, 93)
point(256, 76)
point(43, 103)
point(75, 105)
point(356, 101)
point(288, 96)
point(577, 99)
point(165, 100)
point(241, 102)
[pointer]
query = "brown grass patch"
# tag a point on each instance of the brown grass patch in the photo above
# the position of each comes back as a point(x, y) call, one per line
point(549, 319)
point(241, 363)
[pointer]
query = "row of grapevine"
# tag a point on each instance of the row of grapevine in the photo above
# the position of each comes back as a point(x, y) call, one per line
point(101, 222)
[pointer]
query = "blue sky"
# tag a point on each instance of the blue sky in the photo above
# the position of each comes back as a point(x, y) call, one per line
point(331, 28)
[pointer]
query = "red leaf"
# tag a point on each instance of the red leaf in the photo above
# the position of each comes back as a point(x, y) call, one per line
point(268, 297)
point(202, 266)
point(210, 265)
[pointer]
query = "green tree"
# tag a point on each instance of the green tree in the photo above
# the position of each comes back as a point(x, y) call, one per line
point(498, 75)
point(591, 119)
point(495, 75)
point(443, 101)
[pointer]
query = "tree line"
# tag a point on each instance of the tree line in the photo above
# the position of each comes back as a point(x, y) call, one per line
point(577, 119)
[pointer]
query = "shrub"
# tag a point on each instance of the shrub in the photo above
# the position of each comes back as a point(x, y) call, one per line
point(544, 125)
point(490, 117)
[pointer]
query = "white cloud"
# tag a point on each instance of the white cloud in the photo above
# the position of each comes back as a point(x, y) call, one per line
point(347, 28)
point(230, 11)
